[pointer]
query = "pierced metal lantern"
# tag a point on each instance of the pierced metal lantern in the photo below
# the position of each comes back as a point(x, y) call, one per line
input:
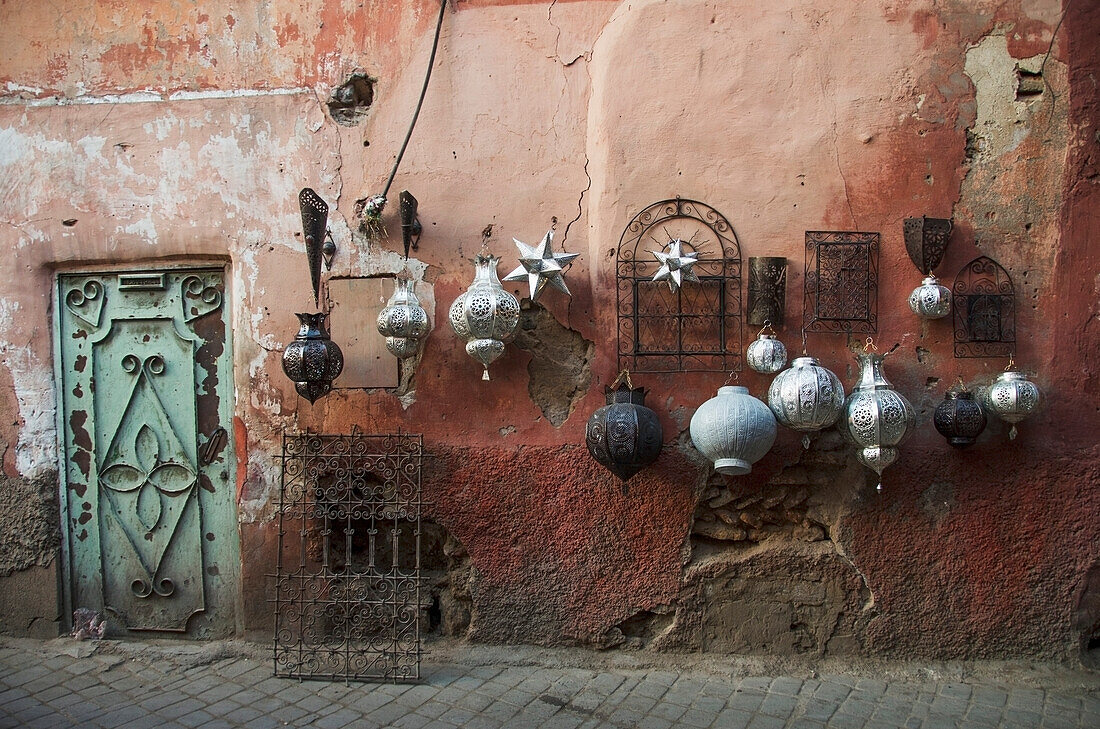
point(733, 429)
point(766, 355)
point(959, 418)
point(1012, 397)
point(806, 397)
point(485, 314)
point(403, 322)
point(930, 300)
point(312, 360)
point(624, 435)
point(877, 417)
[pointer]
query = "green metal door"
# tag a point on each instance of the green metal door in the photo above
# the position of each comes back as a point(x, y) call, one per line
point(148, 508)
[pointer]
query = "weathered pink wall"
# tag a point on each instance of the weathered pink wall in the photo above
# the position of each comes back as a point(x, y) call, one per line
point(174, 132)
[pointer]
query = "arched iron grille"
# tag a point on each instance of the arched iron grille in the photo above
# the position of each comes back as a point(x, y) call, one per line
point(984, 303)
point(697, 327)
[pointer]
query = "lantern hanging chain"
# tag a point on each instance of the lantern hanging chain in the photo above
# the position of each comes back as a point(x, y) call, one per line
point(869, 345)
point(623, 375)
point(420, 102)
point(803, 341)
point(1011, 363)
point(731, 378)
point(768, 326)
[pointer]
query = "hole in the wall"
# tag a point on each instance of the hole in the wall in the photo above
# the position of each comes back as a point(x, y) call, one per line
point(351, 101)
point(1029, 84)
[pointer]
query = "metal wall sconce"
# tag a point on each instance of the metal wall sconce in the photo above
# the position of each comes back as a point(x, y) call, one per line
point(926, 241)
point(314, 227)
point(410, 223)
point(767, 290)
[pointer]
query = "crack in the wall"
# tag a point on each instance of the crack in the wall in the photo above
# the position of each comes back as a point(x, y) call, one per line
point(560, 370)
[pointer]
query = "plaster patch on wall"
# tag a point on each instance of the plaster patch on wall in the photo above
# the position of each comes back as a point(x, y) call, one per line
point(560, 369)
point(36, 451)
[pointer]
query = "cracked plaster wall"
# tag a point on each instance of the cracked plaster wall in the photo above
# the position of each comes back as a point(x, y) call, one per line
point(178, 132)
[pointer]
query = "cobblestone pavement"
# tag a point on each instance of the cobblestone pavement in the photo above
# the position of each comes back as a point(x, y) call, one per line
point(63, 683)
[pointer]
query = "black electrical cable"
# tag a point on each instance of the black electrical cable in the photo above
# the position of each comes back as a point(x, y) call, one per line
point(423, 91)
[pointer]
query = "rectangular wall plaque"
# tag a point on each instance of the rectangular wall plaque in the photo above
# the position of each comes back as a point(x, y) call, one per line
point(841, 283)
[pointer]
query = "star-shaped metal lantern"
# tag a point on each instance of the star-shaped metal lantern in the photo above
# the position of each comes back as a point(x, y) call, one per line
point(676, 265)
point(540, 266)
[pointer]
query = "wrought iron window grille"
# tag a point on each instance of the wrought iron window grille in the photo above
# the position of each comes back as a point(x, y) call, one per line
point(348, 589)
point(841, 282)
point(696, 328)
point(984, 310)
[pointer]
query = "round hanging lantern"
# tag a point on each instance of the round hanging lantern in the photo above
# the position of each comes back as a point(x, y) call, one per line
point(877, 417)
point(959, 418)
point(930, 300)
point(624, 435)
point(766, 355)
point(1012, 397)
point(485, 314)
point(312, 360)
point(403, 322)
point(806, 397)
point(733, 429)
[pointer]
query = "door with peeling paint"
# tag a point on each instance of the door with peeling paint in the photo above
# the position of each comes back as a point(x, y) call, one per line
point(149, 513)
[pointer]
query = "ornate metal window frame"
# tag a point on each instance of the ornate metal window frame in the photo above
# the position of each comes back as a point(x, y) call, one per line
point(348, 598)
point(697, 328)
point(983, 303)
point(841, 282)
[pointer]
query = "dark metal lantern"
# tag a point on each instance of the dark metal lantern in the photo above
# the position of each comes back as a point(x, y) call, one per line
point(624, 436)
point(959, 418)
point(767, 290)
point(926, 241)
point(312, 360)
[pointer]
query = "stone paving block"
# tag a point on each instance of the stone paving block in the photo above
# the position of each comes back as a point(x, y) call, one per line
point(989, 696)
point(194, 718)
point(456, 716)
point(409, 721)
point(1059, 723)
point(893, 713)
point(49, 721)
point(243, 716)
point(746, 700)
point(786, 686)
point(563, 720)
point(337, 719)
point(779, 705)
point(755, 683)
point(650, 689)
point(626, 717)
point(710, 704)
point(516, 697)
point(474, 701)
point(289, 714)
point(832, 690)
point(12, 694)
point(982, 716)
point(500, 711)
point(1026, 698)
point(848, 721)
point(431, 709)
point(387, 714)
point(804, 723)
point(857, 707)
point(697, 718)
point(221, 708)
point(939, 721)
point(955, 690)
point(656, 722)
point(672, 712)
point(763, 721)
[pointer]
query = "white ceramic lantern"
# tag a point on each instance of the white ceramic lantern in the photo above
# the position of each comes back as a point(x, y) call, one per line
point(733, 429)
point(806, 397)
point(485, 315)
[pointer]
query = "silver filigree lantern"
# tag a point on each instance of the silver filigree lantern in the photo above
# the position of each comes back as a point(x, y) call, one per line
point(806, 397)
point(1012, 397)
point(930, 300)
point(485, 315)
point(766, 355)
point(312, 360)
point(403, 322)
point(733, 429)
point(876, 416)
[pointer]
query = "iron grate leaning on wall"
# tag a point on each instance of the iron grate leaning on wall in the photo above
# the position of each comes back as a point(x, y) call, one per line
point(348, 599)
